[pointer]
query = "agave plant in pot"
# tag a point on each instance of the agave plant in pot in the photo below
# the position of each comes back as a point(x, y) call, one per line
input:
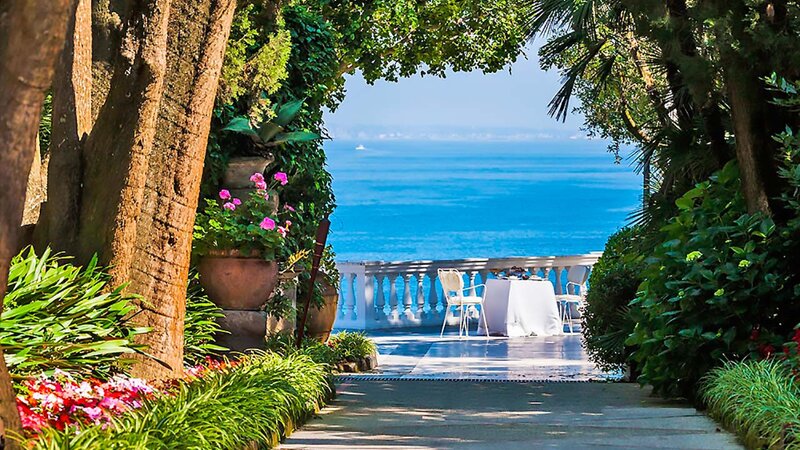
point(237, 242)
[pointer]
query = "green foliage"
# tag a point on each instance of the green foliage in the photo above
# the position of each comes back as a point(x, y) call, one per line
point(614, 282)
point(272, 132)
point(284, 344)
point(255, 59)
point(46, 124)
point(341, 347)
point(60, 316)
point(719, 275)
point(389, 39)
point(351, 346)
point(759, 400)
point(200, 325)
point(218, 228)
point(256, 401)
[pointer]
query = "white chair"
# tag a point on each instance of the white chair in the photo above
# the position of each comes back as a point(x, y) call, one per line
point(453, 287)
point(571, 303)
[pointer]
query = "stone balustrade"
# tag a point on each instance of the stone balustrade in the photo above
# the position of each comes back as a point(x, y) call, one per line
point(379, 294)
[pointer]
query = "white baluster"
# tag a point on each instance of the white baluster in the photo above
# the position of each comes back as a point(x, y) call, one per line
point(433, 297)
point(343, 294)
point(558, 287)
point(380, 301)
point(420, 298)
point(351, 305)
point(394, 313)
point(484, 278)
point(408, 314)
point(472, 275)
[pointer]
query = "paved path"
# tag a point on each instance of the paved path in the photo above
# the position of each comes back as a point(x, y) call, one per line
point(433, 393)
point(423, 415)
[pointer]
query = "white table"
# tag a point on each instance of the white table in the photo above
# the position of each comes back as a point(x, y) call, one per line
point(521, 308)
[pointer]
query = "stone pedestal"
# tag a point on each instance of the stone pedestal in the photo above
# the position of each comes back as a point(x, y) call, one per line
point(247, 330)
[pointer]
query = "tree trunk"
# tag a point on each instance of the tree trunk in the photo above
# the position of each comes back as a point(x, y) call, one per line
point(198, 33)
point(755, 121)
point(755, 150)
point(116, 153)
point(31, 35)
point(72, 117)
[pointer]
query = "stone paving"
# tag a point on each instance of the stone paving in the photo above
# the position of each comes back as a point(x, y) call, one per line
point(425, 356)
point(498, 393)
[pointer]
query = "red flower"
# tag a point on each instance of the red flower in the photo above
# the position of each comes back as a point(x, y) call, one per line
point(754, 335)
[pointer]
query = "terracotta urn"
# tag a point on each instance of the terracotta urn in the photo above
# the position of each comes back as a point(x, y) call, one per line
point(320, 320)
point(236, 282)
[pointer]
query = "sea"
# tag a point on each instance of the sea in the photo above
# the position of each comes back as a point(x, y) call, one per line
point(402, 200)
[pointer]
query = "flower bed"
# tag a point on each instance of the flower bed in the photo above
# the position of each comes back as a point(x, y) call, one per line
point(218, 406)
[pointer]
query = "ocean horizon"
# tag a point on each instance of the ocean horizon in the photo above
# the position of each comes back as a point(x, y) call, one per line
point(407, 200)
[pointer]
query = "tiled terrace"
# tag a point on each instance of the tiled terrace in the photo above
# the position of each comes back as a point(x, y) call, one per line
point(422, 354)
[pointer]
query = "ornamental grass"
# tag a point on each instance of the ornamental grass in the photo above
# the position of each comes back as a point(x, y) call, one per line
point(255, 402)
point(759, 400)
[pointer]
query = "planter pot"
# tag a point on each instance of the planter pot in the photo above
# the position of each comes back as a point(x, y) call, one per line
point(320, 320)
point(237, 175)
point(237, 283)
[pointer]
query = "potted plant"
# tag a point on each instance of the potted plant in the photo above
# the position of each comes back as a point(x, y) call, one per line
point(237, 241)
point(323, 311)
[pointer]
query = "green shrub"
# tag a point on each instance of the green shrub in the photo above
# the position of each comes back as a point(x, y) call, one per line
point(341, 347)
point(60, 316)
point(284, 344)
point(721, 280)
point(351, 346)
point(200, 325)
point(255, 402)
point(614, 281)
point(759, 400)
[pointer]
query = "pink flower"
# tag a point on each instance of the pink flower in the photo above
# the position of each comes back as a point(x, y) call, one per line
point(282, 231)
point(267, 224)
point(229, 206)
point(281, 176)
point(288, 207)
point(225, 194)
point(236, 201)
point(257, 177)
point(261, 184)
point(288, 224)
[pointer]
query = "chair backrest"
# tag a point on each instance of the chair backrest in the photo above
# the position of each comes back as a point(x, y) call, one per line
point(452, 281)
point(578, 275)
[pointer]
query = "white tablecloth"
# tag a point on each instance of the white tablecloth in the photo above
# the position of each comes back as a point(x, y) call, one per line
point(521, 308)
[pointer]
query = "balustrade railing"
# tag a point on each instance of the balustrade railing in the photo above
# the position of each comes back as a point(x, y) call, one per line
point(379, 294)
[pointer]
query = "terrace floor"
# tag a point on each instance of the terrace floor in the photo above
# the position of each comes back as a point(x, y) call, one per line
point(497, 393)
point(423, 355)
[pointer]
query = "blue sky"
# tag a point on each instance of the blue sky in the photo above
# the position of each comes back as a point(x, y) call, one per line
point(509, 105)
